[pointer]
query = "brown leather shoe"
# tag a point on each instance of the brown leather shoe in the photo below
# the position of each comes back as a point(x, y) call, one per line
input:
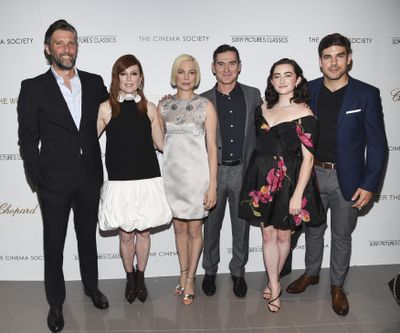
point(340, 304)
point(298, 286)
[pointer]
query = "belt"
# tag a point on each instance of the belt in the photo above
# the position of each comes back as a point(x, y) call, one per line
point(231, 162)
point(325, 165)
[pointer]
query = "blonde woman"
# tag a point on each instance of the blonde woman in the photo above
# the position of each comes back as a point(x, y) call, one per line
point(190, 166)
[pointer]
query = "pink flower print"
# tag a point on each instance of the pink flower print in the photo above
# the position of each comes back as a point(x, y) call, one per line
point(274, 182)
point(281, 165)
point(255, 198)
point(305, 138)
point(304, 215)
point(263, 195)
point(275, 176)
point(266, 193)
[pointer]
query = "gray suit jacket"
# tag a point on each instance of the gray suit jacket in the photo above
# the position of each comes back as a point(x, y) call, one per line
point(253, 99)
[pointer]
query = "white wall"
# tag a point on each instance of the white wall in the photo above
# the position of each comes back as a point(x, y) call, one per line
point(156, 31)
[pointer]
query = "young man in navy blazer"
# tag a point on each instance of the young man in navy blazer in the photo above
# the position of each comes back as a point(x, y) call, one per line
point(58, 111)
point(349, 162)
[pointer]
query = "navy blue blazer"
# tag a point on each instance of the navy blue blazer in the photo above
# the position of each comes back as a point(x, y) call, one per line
point(361, 145)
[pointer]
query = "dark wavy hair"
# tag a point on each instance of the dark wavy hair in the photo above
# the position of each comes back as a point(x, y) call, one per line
point(335, 39)
point(58, 25)
point(300, 93)
point(119, 66)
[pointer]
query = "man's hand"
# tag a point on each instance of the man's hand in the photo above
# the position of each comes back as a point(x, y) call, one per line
point(361, 198)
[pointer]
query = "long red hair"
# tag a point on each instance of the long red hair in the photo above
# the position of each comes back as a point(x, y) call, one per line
point(119, 66)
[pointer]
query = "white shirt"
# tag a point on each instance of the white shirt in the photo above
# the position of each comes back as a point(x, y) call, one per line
point(72, 97)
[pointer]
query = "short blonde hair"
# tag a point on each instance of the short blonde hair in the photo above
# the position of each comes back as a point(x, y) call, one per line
point(177, 63)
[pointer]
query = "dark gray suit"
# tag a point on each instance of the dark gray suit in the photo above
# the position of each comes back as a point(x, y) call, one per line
point(229, 186)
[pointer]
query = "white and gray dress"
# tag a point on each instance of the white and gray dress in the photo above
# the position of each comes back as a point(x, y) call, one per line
point(185, 168)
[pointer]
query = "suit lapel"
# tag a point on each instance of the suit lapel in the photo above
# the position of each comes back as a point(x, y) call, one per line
point(314, 100)
point(60, 111)
point(346, 102)
point(83, 79)
point(246, 100)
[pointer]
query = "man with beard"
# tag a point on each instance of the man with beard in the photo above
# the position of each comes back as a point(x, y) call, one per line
point(58, 111)
point(349, 162)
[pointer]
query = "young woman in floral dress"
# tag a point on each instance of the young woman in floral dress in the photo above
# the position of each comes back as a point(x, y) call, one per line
point(280, 190)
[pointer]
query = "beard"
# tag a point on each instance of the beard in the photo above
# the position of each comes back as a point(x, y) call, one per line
point(62, 63)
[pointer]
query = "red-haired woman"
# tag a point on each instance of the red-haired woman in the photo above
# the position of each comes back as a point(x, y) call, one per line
point(133, 199)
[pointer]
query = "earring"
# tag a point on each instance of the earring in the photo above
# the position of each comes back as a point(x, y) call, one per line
point(140, 86)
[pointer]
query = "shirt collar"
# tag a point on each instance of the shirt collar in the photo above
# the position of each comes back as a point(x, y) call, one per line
point(234, 91)
point(60, 78)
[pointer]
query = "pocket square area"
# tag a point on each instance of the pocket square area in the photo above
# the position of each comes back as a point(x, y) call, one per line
point(353, 111)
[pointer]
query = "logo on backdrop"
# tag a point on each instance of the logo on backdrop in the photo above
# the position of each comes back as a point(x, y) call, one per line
point(8, 100)
point(353, 40)
point(97, 39)
point(395, 40)
point(302, 247)
point(395, 93)
point(388, 197)
point(10, 210)
point(116, 255)
point(10, 257)
point(17, 41)
point(10, 157)
point(263, 39)
point(384, 243)
point(394, 148)
point(104, 256)
point(173, 38)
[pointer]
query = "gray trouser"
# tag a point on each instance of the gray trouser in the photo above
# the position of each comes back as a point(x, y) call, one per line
point(229, 186)
point(343, 222)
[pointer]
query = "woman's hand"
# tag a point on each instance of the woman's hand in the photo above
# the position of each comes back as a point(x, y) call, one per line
point(210, 198)
point(295, 205)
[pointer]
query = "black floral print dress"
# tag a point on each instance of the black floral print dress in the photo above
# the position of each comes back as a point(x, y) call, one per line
point(273, 171)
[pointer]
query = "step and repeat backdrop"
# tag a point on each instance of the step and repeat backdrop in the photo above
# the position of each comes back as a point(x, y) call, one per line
point(157, 31)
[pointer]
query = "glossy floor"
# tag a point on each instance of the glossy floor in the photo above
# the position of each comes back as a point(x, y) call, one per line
point(23, 307)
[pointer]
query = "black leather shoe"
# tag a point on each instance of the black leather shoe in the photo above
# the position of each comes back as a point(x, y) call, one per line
point(208, 285)
point(55, 319)
point(98, 298)
point(239, 286)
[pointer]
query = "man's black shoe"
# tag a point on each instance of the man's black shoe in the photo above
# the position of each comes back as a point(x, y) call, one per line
point(239, 286)
point(208, 285)
point(98, 298)
point(55, 319)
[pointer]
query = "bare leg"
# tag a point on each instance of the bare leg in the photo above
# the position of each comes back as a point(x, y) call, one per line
point(142, 247)
point(127, 249)
point(284, 247)
point(181, 241)
point(195, 244)
point(276, 246)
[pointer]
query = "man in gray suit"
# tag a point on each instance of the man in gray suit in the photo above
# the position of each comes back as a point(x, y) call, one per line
point(235, 104)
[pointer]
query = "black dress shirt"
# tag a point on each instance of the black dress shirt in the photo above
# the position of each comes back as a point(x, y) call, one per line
point(232, 122)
